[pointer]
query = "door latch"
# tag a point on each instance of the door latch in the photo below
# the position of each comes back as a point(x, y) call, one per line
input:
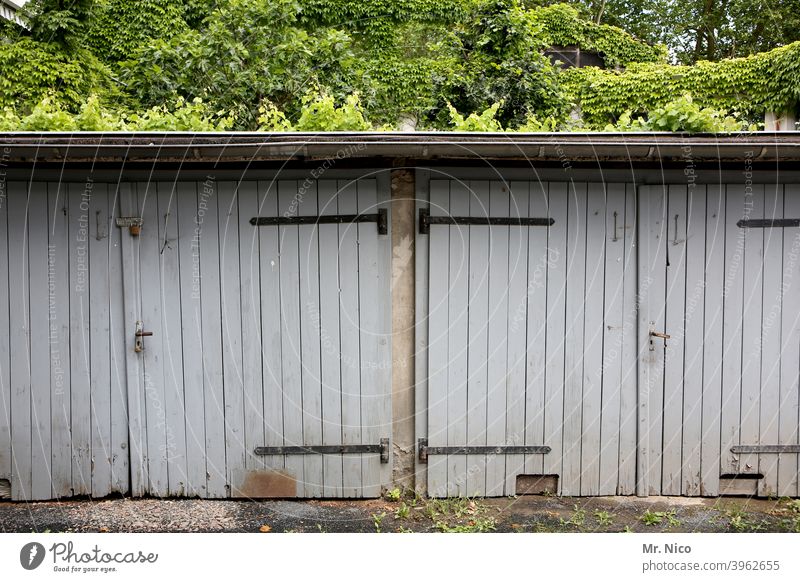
point(658, 334)
point(138, 345)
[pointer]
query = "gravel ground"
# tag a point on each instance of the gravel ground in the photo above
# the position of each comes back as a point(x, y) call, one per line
point(410, 513)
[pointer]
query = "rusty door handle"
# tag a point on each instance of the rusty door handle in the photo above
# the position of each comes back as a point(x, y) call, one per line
point(138, 345)
point(141, 333)
point(664, 336)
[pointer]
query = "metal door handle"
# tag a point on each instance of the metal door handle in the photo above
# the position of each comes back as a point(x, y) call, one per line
point(138, 344)
point(664, 336)
point(143, 333)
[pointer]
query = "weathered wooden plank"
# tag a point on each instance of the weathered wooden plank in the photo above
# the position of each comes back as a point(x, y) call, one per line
point(628, 412)
point(79, 198)
point(516, 363)
point(652, 299)
point(189, 229)
point(533, 318)
point(375, 359)
point(228, 220)
point(557, 201)
point(438, 324)
point(308, 244)
point(738, 206)
point(154, 347)
point(350, 340)
point(574, 339)
point(421, 328)
point(250, 299)
point(773, 300)
point(752, 332)
point(789, 421)
point(674, 347)
point(211, 300)
point(478, 349)
point(715, 226)
point(289, 258)
point(120, 452)
point(271, 330)
point(693, 340)
point(39, 262)
point(497, 364)
point(612, 366)
point(58, 315)
point(133, 363)
point(100, 340)
point(172, 332)
point(591, 414)
point(452, 277)
point(19, 340)
point(328, 322)
point(5, 349)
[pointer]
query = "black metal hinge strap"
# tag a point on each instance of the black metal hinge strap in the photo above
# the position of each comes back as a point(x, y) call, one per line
point(425, 450)
point(382, 449)
point(765, 449)
point(380, 218)
point(426, 220)
point(768, 223)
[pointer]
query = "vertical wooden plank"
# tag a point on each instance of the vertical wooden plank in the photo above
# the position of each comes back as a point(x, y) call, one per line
point(5, 349)
point(421, 300)
point(693, 334)
point(452, 300)
point(628, 409)
point(612, 366)
point(789, 421)
point(153, 354)
point(383, 301)
point(591, 414)
point(518, 241)
point(58, 314)
point(189, 230)
point(497, 357)
point(557, 207)
point(773, 300)
point(38, 258)
point(328, 322)
point(133, 362)
point(374, 357)
point(19, 341)
point(230, 282)
point(271, 330)
point(674, 347)
point(715, 226)
point(652, 300)
point(99, 341)
point(250, 297)
point(438, 326)
point(172, 332)
point(309, 249)
point(752, 333)
point(120, 470)
point(350, 340)
point(289, 257)
point(738, 206)
point(478, 325)
point(79, 198)
point(211, 301)
point(574, 338)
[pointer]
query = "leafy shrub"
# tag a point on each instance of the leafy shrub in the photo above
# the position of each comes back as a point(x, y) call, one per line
point(681, 114)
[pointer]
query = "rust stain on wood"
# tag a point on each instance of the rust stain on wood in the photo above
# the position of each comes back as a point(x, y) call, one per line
point(266, 483)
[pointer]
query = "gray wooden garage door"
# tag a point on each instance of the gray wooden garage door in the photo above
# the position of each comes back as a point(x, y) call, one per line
point(724, 285)
point(531, 335)
point(262, 336)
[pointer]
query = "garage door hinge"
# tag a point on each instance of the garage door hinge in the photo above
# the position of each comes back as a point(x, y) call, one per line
point(382, 449)
point(425, 450)
point(381, 218)
point(426, 220)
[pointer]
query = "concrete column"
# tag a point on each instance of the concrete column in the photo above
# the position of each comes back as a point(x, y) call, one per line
point(403, 237)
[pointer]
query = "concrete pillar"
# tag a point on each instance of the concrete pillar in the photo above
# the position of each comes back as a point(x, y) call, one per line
point(403, 237)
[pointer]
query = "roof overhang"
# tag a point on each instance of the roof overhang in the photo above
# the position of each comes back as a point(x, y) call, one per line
point(27, 148)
